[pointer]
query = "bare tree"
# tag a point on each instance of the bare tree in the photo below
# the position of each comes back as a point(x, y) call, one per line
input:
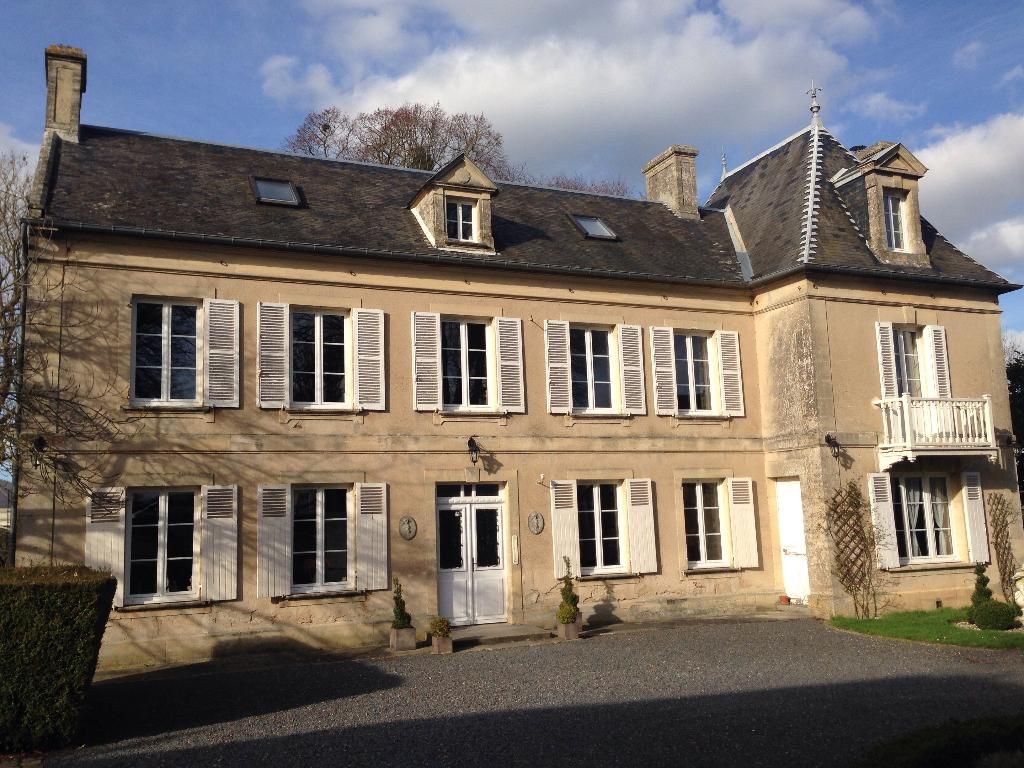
point(578, 183)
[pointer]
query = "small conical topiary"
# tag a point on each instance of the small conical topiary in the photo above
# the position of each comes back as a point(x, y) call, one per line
point(981, 594)
point(402, 619)
point(569, 606)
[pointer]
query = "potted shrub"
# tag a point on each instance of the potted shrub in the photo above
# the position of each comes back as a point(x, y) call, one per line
point(570, 621)
point(403, 633)
point(441, 635)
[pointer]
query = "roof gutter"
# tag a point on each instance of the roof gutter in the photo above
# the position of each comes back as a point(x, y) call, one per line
point(999, 288)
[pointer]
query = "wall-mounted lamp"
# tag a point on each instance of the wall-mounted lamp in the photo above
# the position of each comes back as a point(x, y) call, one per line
point(833, 445)
point(38, 448)
point(474, 450)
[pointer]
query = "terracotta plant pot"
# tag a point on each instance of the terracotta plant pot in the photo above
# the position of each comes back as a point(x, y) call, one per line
point(403, 639)
point(441, 644)
point(783, 599)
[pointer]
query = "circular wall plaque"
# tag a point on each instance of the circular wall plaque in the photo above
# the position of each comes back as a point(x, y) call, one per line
point(407, 528)
point(536, 522)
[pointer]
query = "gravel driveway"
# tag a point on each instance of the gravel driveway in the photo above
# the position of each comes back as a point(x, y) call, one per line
point(783, 693)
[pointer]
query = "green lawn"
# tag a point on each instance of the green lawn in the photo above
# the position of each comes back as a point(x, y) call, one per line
point(931, 627)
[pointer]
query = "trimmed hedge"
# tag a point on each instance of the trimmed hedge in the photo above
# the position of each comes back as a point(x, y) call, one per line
point(51, 624)
point(995, 614)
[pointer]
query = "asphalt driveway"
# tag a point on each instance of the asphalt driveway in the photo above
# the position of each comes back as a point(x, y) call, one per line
point(784, 693)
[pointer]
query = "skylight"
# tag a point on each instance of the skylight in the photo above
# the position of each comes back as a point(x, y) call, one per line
point(592, 226)
point(275, 191)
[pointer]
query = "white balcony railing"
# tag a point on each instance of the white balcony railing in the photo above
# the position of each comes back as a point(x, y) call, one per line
point(933, 424)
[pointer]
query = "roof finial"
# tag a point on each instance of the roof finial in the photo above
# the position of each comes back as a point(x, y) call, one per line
point(815, 107)
point(724, 173)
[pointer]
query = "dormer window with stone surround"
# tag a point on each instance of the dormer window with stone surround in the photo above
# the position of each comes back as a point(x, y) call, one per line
point(454, 207)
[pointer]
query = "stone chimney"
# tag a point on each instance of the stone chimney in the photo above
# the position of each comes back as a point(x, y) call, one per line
point(65, 84)
point(672, 180)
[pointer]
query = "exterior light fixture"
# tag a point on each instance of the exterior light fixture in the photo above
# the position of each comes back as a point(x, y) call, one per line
point(474, 450)
point(38, 448)
point(833, 445)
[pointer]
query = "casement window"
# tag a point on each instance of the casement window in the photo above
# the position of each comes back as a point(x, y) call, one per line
point(459, 220)
point(596, 370)
point(893, 210)
point(702, 516)
point(329, 538)
point(320, 358)
point(912, 360)
point(184, 353)
point(603, 527)
point(719, 524)
point(467, 364)
point(697, 373)
point(165, 544)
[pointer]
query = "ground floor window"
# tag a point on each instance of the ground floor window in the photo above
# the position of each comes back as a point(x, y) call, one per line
point(320, 538)
point(702, 518)
point(921, 511)
point(162, 544)
point(600, 525)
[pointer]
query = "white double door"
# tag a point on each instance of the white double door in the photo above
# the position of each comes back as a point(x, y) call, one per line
point(470, 559)
point(792, 539)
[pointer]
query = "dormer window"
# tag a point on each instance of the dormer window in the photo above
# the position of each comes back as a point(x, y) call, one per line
point(591, 226)
point(454, 207)
point(459, 217)
point(894, 220)
point(275, 191)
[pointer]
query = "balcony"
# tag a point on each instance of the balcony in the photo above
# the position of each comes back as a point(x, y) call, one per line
point(933, 426)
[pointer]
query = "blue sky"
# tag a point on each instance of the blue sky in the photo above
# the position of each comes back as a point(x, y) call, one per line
point(594, 87)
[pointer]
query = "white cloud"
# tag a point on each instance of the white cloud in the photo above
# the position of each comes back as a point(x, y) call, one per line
point(1000, 246)
point(1012, 75)
point(967, 56)
point(10, 142)
point(835, 19)
point(883, 108)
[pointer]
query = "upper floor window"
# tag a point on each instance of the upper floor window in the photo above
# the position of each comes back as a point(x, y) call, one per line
point(600, 522)
point(908, 361)
point(697, 373)
point(464, 364)
point(693, 372)
point(165, 352)
point(702, 518)
point(459, 220)
point(894, 238)
point(591, 367)
point(321, 532)
point(318, 358)
point(162, 544)
point(921, 512)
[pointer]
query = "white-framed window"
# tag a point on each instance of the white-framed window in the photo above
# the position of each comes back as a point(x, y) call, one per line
point(694, 393)
point(465, 364)
point(166, 364)
point(906, 343)
point(702, 519)
point(460, 220)
point(319, 358)
point(600, 517)
point(893, 202)
point(321, 537)
point(591, 368)
point(161, 545)
point(921, 515)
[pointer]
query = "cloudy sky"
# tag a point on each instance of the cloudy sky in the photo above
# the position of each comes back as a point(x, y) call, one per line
point(589, 87)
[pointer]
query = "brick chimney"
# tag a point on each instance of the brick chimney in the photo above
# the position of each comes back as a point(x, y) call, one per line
point(65, 84)
point(672, 180)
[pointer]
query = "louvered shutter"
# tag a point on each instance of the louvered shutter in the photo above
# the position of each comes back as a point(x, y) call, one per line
point(631, 367)
point(565, 527)
point(511, 390)
point(938, 360)
point(974, 517)
point(426, 361)
point(371, 536)
point(643, 549)
point(744, 522)
point(274, 548)
point(368, 330)
point(272, 354)
point(222, 353)
point(104, 535)
point(220, 542)
point(663, 363)
point(886, 359)
point(556, 347)
point(731, 372)
point(882, 517)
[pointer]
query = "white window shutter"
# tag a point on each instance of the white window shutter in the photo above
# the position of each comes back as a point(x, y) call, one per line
point(274, 547)
point(426, 361)
point(272, 354)
point(556, 347)
point(219, 546)
point(743, 521)
point(886, 359)
point(371, 536)
point(368, 332)
point(974, 517)
point(565, 527)
point(643, 548)
point(882, 517)
point(663, 363)
point(731, 373)
point(938, 360)
point(222, 352)
point(508, 332)
point(104, 535)
point(631, 369)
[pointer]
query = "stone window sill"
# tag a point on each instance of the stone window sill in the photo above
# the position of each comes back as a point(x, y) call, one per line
point(498, 417)
point(632, 577)
point(597, 418)
point(164, 409)
point(932, 567)
point(167, 608)
point(286, 415)
point(323, 598)
point(721, 569)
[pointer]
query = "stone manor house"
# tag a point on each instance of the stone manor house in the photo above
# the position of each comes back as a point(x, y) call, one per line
point(334, 374)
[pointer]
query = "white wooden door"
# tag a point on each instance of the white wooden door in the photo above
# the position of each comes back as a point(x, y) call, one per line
point(792, 539)
point(470, 563)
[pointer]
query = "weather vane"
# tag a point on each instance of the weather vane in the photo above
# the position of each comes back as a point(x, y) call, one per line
point(815, 107)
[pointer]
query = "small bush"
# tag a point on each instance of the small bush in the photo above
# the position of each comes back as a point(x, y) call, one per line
point(51, 624)
point(440, 627)
point(981, 594)
point(402, 619)
point(565, 614)
point(568, 608)
point(994, 614)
